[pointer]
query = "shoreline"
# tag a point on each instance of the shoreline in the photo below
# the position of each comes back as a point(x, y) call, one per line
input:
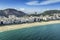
point(26, 25)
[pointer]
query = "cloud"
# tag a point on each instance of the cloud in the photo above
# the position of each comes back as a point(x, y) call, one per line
point(47, 2)
point(33, 3)
point(22, 9)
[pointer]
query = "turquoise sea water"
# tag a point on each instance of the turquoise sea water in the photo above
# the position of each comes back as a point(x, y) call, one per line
point(47, 32)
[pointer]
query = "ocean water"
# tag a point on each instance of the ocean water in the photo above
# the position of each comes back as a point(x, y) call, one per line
point(47, 32)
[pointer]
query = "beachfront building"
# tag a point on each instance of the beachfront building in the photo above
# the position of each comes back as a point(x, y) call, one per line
point(12, 19)
point(30, 19)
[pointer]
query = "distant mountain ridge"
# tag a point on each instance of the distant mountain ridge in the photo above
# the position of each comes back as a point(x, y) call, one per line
point(9, 11)
point(50, 12)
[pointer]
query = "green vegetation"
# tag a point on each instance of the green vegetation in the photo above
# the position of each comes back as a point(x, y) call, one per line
point(51, 12)
point(48, 12)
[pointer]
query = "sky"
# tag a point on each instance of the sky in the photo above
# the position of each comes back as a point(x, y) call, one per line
point(30, 6)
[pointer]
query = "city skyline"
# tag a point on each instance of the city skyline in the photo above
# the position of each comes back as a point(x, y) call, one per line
point(31, 5)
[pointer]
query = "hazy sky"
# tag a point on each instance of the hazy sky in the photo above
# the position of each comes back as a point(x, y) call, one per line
point(30, 5)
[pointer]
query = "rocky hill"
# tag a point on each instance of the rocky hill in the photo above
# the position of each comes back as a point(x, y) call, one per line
point(51, 12)
point(7, 12)
point(48, 12)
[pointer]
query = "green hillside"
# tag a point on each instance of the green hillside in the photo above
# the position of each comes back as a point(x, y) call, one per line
point(48, 12)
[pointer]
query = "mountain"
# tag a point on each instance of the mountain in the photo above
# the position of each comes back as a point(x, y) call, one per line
point(48, 12)
point(51, 12)
point(9, 11)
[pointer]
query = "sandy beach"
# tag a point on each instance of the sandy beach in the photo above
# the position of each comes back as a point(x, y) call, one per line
point(20, 26)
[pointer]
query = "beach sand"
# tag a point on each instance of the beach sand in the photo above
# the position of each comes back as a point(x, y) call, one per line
point(26, 25)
